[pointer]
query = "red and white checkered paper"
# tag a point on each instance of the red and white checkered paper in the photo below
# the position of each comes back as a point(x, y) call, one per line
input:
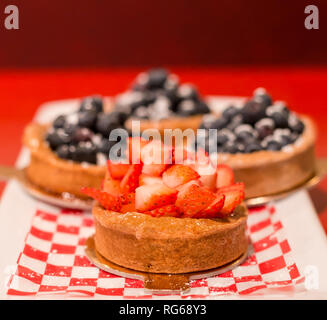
point(53, 262)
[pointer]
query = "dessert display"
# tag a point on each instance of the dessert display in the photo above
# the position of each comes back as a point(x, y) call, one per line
point(158, 100)
point(168, 216)
point(71, 152)
point(269, 147)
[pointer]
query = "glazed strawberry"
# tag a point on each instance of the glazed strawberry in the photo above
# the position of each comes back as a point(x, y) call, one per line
point(107, 200)
point(134, 148)
point(146, 179)
point(208, 174)
point(178, 174)
point(117, 170)
point(130, 180)
point(128, 202)
point(232, 199)
point(212, 211)
point(156, 157)
point(179, 155)
point(149, 197)
point(238, 186)
point(166, 211)
point(225, 176)
point(112, 187)
point(193, 198)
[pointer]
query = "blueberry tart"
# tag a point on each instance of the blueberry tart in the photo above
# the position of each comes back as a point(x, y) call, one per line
point(159, 101)
point(71, 152)
point(269, 147)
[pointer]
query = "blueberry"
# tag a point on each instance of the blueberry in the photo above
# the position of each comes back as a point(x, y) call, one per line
point(252, 147)
point(231, 148)
point(273, 145)
point(224, 136)
point(263, 97)
point(219, 123)
point(252, 111)
point(87, 119)
point(280, 119)
point(85, 152)
point(82, 134)
point(70, 128)
point(265, 127)
point(59, 122)
point(56, 138)
point(156, 78)
point(187, 108)
point(63, 152)
point(207, 121)
point(187, 91)
point(141, 113)
point(202, 108)
point(295, 124)
point(230, 112)
point(93, 103)
point(283, 136)
point(107, 122)
point(105, 145)
point(235, 122)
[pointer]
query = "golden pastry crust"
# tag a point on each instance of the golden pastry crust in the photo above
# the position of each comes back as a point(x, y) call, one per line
point(269, 172)
point(55, 175)
point(167, 244)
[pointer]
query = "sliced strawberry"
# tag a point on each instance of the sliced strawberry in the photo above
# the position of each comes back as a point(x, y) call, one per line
point(112, 187)
point(166, 211)
point(146, 179)
point(134, 148)
point(117, 170)
point(130, 180)
point(149, 197)
point(193, 198)
point(179, 155)
point(225, 176)
point(178, 174)
point(212, 211)
point(128, 202)
point(107, 200)
point(156, 157)
point(232, 199)
point(238, 186)
point(208, 174)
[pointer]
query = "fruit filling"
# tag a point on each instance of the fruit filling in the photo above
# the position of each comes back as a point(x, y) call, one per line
point(157, 94)
point(182, 190)
point(259, 124)
point(82, 136)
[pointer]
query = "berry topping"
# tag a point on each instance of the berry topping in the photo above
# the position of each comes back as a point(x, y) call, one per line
point(225, 176)
point(252, 127)
point(178, 174)
point(149, 197)
point(94, 103)
point(192, 198)
point(195, 189)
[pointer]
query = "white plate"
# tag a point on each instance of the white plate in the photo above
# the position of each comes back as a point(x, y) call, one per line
point(303, 229)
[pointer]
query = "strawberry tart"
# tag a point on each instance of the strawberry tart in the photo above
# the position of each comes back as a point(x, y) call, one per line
point(171, 216)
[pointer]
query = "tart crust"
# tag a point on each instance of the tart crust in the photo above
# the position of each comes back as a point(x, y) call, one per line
point(55, 175)
point(167, 244)
point(271, 172)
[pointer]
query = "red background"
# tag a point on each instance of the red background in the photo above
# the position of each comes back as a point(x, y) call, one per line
point(128, 32)
point(67, 49)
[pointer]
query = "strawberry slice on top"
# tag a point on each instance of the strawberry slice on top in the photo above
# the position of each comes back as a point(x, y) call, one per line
point(225, 176)
point(117, 170)
point(233, 198)
point(178, 174)
point(149, 197)
point(130, 180)
point(156, 157)
point(192, 198)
